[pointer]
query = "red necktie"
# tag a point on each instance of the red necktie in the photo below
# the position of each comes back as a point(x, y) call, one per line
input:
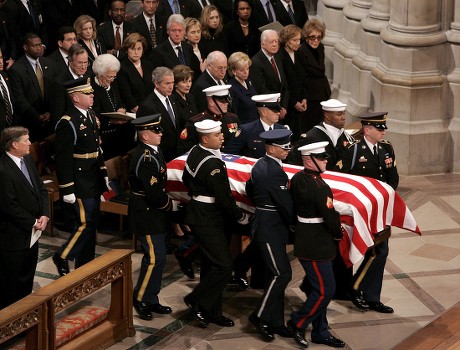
point(272, 60)
point(117, 39)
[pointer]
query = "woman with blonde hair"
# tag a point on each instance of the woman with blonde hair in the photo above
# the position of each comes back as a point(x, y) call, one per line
point(85, 26)
point(193, 37)
point(212, 38)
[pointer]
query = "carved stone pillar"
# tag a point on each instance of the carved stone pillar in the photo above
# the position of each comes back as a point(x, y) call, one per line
point(409, 84)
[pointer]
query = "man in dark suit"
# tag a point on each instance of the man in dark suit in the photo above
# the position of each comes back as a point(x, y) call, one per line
point(33, 81)
point(81, 173)
point(263, 12)
point(67, 38)
point(290, 12)
point(267, 72)
point(216, 69)
point(24, 212)
point(150, 25)
point(159, 101)
point(111, 34)
point(268, 188)
point(7, 43)
point(372, 157)
point(22, 19)
point(6, 99)
point(186, 8)
point(175, 50)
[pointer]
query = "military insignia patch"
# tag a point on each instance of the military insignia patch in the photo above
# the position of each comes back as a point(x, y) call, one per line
point(184, 134)
point(162, 170)
point(339, 164)
point(215, 171)
point(153, 180)
point(362, 159)
point(82, 127)
point(232, 127)
point(329, 203)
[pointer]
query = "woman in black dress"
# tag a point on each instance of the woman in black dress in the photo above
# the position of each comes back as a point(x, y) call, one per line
point(184, 99)
point(85, 26)
point(212, 37)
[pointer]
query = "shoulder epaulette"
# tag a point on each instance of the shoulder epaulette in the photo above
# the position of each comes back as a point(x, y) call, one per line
point(385, 142)
point(351, 144)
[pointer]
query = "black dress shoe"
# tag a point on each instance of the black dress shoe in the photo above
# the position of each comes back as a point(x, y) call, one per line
point(359, 302)
point(298, 334)
point(223, 321)
point(159, 309)
point(61, 264)
point(142, 310)
point(263, 329)
point(185, 265)
point(283, 331)
point(379, 307)
point(331, 341)
point(240, 282)
point(197, 314)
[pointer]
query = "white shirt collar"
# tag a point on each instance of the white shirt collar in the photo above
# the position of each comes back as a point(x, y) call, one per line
point(216, 152)
point(147, 19)
point(266, 126)
point(155, 148)
point(114, 26)
point(369, 144)
point(276, 159)
point(16, 160)
point(333, 133)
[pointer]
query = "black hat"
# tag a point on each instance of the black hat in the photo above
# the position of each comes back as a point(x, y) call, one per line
point(148, 122)
point(376, 119)
point(277, 137)
point(82, 85)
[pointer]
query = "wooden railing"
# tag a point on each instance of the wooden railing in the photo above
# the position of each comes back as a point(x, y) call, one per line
point(36, 314)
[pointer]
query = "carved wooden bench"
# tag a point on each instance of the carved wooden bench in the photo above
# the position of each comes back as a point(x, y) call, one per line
point(36, 314)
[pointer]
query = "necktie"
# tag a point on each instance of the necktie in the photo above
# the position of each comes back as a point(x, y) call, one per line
point(25, 171)
point(39, 73)
point(180, 54)
point(176, 8)
point(290, 13)
point(376, 155)
point(153, 33)
point(170, 111)
point(269, 12)
point(8, 107)
point(32, 14)
point(117, 45)
point(270, 128)
point(272, 60)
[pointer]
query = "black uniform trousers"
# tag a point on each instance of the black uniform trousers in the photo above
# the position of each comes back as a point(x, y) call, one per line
point(216, 269)
point(81, 245)
point(152, 266)
point(18, 278)
point(271, 307)
point(369, 277)
point(313, 310)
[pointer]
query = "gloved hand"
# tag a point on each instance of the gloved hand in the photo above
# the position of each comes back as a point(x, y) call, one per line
point(174, 205)
point(244, 220)
point(107, 183)
point(69, 198)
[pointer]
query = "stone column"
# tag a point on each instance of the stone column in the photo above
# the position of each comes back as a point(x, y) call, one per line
point(409, 84)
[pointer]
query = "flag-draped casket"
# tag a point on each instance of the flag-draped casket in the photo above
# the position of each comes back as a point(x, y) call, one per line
point(367, 206)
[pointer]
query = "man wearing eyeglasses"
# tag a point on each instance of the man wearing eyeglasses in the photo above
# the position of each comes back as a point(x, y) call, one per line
point(81, 173)
point(216, 70)
point(78, 64)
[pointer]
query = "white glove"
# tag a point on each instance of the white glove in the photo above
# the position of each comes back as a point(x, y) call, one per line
point(244, 220)
point(107, 183)
point(174, 205)
point(69, 198)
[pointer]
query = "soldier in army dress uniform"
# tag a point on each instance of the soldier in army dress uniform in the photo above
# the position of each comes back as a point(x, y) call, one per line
point(206, 178)
point(81, 173)
point(148, 207)
point(218, 100)
point(372, 157)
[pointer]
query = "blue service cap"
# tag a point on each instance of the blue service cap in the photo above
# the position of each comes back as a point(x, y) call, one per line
point(277, 137)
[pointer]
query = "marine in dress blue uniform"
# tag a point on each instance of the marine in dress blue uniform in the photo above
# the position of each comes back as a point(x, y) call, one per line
point(247, 141)
point(372, 157)
point(206, 178)
point(81, 174)
point(317, 228)
point(268, 189)
point(148, 207)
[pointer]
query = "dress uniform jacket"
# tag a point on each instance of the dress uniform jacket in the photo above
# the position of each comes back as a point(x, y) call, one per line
point(188, 136)
point(79, 163)
point(148, 201)
point(247, 141)
point(313, 199)
point(360, 160)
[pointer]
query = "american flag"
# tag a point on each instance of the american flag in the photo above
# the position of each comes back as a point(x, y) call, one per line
point(366, 205)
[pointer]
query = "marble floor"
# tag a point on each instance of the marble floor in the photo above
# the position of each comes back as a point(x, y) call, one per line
point(422, 280)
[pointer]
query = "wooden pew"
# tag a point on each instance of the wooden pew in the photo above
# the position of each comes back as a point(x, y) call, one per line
point(36, 314)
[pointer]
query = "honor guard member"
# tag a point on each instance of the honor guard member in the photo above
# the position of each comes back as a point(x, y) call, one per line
point(206, 178)
point(331, 130)
point(81, 174)
point(247, 141)
point(148, 206)
point(372, 157)
point(318, 226)
point(217, 97)
point(268, 189)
